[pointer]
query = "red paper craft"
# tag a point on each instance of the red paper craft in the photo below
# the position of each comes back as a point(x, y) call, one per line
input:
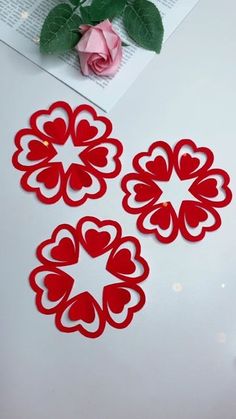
point(67, 154)
point(195, 216)
point(55, 288)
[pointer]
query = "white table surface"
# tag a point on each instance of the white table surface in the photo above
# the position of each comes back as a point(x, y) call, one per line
point(177, 360)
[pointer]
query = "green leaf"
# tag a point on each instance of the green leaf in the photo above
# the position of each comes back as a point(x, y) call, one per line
point(143, 23)
point(75, 2)
point(86, 15)
point(106, 9)
point(60, 31)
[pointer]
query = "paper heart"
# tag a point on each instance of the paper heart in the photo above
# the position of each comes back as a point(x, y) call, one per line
point(97, 156)
point(188, 164)
point(122, 262)
point(103, 160)
point(82, 309)
point(162, 217)
point(85, 131)
point(62, 248)
point(82, 188)
point(52, 287)
point(117, 300)
point(194, 215)
point(191, 160)
point(208, 188)
point(57, 285)
point(37, 150)
point(158, 161)
point(88, 126)
point(80, 312)
point(162, 221)
point(125, 261)
point(53, 123)
point(31, 151)
point(158, 167)
point(49, 177)
point(212, 188)
point(46, 182)
point(196, 218)
point(144, 192)
point(56, 129)
point(97, 237)
point(78, 177)
point(140, 192)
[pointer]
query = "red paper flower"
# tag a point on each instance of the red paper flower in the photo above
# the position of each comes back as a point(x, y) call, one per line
point(67, 154)
point(207, 189)
point(57, 291)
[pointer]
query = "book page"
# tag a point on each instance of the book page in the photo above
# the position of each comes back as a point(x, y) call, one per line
point(20, 26)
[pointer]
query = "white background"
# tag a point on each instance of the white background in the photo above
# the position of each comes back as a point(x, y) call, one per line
point(177, 360)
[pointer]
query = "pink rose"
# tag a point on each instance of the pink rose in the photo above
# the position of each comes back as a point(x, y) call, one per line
point(100, 49)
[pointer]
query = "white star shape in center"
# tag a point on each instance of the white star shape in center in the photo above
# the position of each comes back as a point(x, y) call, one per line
point(67, 154)
point(176, 191)
point(92, 280)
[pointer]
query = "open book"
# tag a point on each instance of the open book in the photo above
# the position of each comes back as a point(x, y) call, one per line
point(20, 25)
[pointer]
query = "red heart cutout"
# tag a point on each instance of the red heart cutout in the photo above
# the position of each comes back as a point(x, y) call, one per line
point(56, 129)
point(211, 190)
point(162, 221)
point(158, 161)
point(146, 192)
point(188, 164)
point(122, 263)
point(82, 308)
point(64, 251)
point(117, 298)
point(38, 150)
point(97, 156)
point(97, 237)
point(162, 217)
point(96, 240)
point(207, 187)
point(53, 287)
point(58, 286)
point(191, 214)
point(79, 178)
point(49, 176)
point(125, 261)
point(61, 249)
point(191, 163)
point(158, 167)
point(195, 215)
point(85, 131)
